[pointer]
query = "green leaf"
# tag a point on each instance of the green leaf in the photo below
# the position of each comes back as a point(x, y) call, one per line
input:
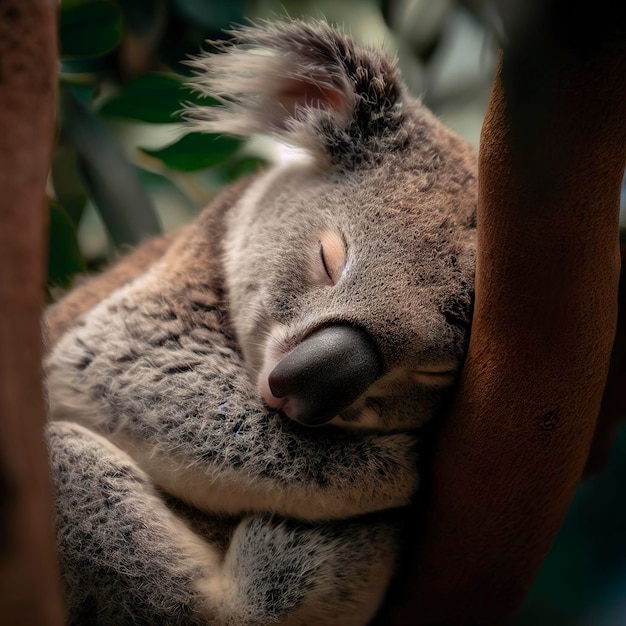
point(213, 15)
point(154, 98)
point(83, 93)
point(111, 180)
point(89, 28)
point(68, 187)
point(64, 258)
point(238, 167)
point(86, 65)
point(196, 151)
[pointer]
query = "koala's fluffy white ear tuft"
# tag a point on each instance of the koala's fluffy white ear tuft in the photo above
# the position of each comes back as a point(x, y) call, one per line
point(306, 84)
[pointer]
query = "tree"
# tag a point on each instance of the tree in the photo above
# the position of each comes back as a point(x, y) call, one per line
point(513, 449)
point(29, 582)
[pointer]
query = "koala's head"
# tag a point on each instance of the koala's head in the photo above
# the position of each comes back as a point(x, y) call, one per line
point(350, 272)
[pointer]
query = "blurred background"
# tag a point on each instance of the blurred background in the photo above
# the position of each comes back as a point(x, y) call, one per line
point(125, 168)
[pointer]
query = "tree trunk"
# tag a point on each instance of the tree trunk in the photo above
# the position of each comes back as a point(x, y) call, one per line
point(510, 454)
point(29, 581)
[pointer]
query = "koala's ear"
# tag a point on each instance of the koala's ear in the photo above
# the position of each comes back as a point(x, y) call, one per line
point(306, 84)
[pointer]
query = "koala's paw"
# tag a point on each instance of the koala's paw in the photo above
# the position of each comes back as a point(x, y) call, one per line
point(286, 572)
point(129, 555)
point(125, 556)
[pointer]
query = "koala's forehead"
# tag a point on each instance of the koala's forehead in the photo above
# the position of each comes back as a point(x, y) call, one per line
point(391, 202)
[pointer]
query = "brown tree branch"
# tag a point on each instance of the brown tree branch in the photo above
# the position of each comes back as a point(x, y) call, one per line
point(29, 581)
point(515, 444)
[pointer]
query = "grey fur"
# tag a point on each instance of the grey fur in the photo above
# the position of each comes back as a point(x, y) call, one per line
point(183, 499)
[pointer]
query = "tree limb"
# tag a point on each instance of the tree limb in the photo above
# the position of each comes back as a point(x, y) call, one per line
point(510, 454)
point(29, 581)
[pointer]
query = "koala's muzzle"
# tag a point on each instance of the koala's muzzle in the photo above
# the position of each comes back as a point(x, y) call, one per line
point(325, 374)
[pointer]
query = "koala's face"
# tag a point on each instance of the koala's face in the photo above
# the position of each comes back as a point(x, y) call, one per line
point(388, 250)
point(350, 275)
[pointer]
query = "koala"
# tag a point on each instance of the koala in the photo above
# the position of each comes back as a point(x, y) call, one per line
point(236, 407)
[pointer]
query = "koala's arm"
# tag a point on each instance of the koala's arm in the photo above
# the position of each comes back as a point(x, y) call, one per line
point(128, 556)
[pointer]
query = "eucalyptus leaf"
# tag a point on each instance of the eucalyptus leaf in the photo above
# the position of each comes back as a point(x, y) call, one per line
point(238, 167)
point(89, 29)
point(64, 257)
point(196, 151)
point(154, 98)
point(125, 207)
point(83, 93)
point(68, 187)
point(86, 65)
point(213, 15)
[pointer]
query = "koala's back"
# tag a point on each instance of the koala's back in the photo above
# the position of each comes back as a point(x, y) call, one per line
point(62, 315)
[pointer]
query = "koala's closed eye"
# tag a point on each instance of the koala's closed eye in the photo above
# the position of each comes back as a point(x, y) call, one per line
point(331, 258)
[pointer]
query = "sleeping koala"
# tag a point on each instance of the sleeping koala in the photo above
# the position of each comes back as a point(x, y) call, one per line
point(333, 291)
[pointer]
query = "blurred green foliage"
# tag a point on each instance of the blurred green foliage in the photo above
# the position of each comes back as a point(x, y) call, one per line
point(89, 29)
point(196, 151)
point(152, 97)
point(121, 75)
point(64, 257)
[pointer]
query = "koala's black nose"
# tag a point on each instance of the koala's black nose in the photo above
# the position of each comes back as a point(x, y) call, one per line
point(325, 374)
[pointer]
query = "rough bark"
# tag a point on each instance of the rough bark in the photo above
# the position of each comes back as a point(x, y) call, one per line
point(29, 582)
point(510, 454)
